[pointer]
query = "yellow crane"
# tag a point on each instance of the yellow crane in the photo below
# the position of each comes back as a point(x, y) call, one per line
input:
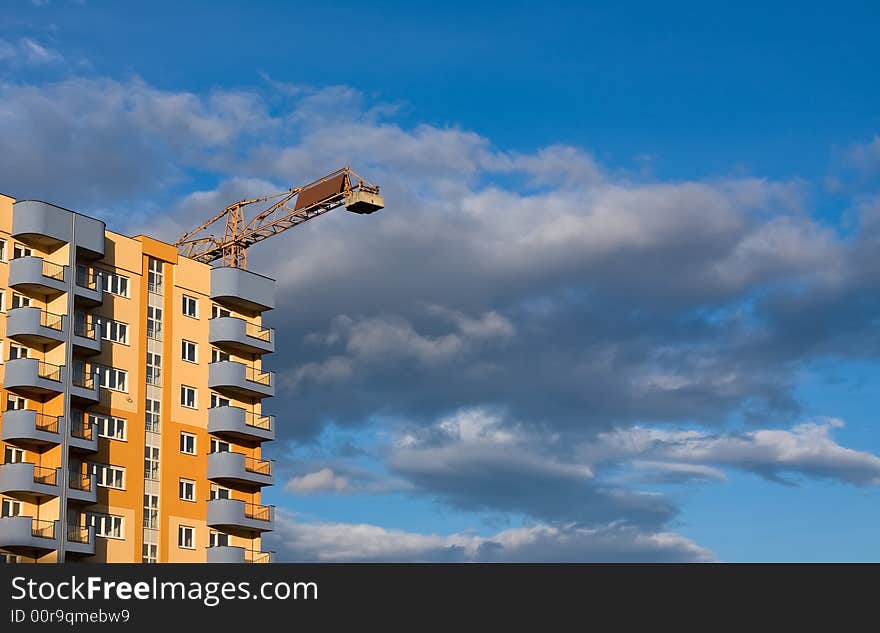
point(285, 210)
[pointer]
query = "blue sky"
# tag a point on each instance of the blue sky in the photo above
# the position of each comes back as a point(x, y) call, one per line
point(620, 305)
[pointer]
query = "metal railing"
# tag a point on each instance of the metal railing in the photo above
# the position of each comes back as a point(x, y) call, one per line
point(85, 328)
point(53, 271)
point(258, 466)
point(84, 378)
point(82, 430)
point(258, 421)
point(78, 534)
point(86, 278)
point(46, 423)
point(254, 556)
point(252, 374)
point(45, 476)
point(81, 482)
point(257, 512)
point(49, 371)
point(258, 332)
point(51, 320)
point(42, 529)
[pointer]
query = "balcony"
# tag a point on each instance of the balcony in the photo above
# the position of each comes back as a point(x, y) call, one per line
point(238, 336)
point(238, 425)
point(237, 469)
point(234, 515)
point(28, 482)
point(230, 554)
point(80, 541)
point(82, 488)
point(84, 386)
point(33, 378)
point(88, 288)
point(35, 327)
point(35, 276)
point(26, 428)
point(83, 438)
point(240, 381)
point(28, 536)
point(85, 337)
point(242, 290)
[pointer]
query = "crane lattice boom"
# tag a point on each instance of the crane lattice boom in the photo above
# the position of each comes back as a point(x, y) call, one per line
point(285, 210)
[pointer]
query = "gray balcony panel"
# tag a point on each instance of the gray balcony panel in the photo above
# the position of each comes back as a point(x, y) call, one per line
point(240, 425)
point(225, 554)
point(240, 381)
point(236, 469)
point(24, 427)
point(88, 289)
point(89, 237)
point(28, 376)
point(26, 275)
point(80, 541)
point(84, 389)
point(239, 336)
point(18, 480)
point(234, 515)
point(31, 326)
point(41, 224)
point(82, 489)
point(23, 535)
point(242, 290)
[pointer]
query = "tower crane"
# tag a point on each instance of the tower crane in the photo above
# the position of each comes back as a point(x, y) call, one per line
point(277, 212)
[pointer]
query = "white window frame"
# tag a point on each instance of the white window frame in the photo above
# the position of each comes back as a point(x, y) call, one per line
point(13, 455)
point(26, 251)
point(217, 444)
point(101, 472)
point(184, 440)
point(114, 283)
point(219, 401)
point(219, 356)
point(150, 553)
point(20, 351)
point(184, 400)
point(182, 484)
point(189, 346)
point(2, 300)
point(3, 251)
point(182, 532)
point(107, 525)
point(154, 368)
point(218, 539)
point(188, 301)
point(111, 377)
point(220, 492)
point(15, 403)
point(217, 311)
point(151, 462)
point(107, 423)
point(23, 301)
point(10, 508)
point(111, 330)
point(151, 511)
point(152, 418)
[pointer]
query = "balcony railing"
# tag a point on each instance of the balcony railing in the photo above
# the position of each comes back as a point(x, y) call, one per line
point(81, 429)
point(53, 270)
point(86, 278)
point(258, 332)
point(43, 529)
point(257, 421)
point(254, 556)
point(49, 371)
point(45, 476)
point(258, 466)
point(257, 512)
point(83, 378)
point(81, 482)
point(85, 328)
point(258, 376)
point(51, 320)
point(78, 534)
point(46, 423)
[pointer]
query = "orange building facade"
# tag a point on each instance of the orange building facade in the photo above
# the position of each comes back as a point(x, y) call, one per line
point(132, 377)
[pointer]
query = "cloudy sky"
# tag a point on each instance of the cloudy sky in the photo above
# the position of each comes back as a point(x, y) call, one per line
point(622, 304)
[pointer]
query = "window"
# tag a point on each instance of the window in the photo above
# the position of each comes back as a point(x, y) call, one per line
point(151, 462)
point(2, 300)
point(189, 351)
point(190, 306)
point(2, 250)
point(17, 351)
point(14, 403)
point(150, 553)
point(10, 508)
point(21, 251)
point(188, 443)
point(154, 275)
point(9, 559)
point(13, 455)
point(111, 330)
point(154, 368)
point(219, 446)
point(219, 492)
point(108, 426)
point(109, 476)
point(151, 512)
point(219, 401)
point(20, 301)
point(113, 283)
point(217, 311)
point(154, 323)
point(218, 539)
point(186, 537)
point(106, 525)
point(152, 417)
point(217, 356)
point(187, 490)
point(188, 397)
point(112, 378)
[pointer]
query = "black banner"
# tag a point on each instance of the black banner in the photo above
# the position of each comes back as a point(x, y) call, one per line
point(132, 597)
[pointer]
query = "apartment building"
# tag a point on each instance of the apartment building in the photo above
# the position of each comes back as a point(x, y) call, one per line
point(132, 390)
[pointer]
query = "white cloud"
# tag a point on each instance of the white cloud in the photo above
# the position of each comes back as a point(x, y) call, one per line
point(28, 52)
point(320, 481)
